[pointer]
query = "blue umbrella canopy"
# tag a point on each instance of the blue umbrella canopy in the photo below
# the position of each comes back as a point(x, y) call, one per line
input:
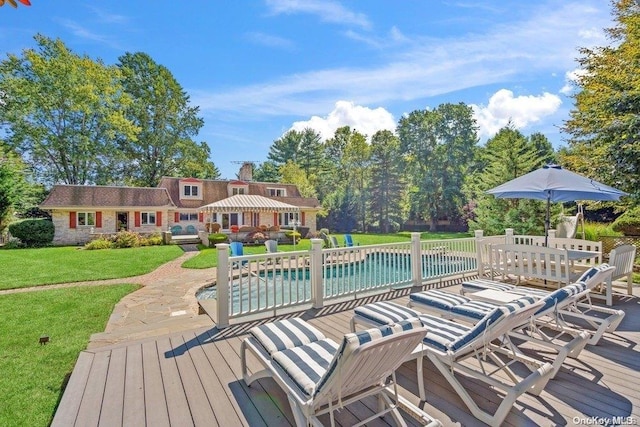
point(555, 184)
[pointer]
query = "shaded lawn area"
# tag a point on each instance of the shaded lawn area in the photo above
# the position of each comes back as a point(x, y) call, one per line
point(32, 374)
point(46, 266)
point(208, 257)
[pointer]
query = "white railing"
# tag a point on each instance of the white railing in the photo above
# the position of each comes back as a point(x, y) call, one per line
point(268, 284)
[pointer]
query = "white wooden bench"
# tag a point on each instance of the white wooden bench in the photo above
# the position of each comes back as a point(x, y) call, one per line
point(531, 262)
point(622, 258)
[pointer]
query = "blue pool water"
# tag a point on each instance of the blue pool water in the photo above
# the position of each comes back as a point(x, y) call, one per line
point(377, 270)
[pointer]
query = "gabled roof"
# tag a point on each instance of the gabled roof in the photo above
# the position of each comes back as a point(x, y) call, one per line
point(82, 196)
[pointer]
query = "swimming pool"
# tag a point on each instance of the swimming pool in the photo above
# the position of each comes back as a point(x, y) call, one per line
point(277, 287)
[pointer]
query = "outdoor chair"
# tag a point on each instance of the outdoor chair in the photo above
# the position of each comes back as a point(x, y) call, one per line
point(622, 258)
point(481, 351)
point(334, 242)
point(348, 240)
point(176, 229)
point(237, 249)
point(271, 246)
point(320, 376)
point(599, 319)
point(191, 230)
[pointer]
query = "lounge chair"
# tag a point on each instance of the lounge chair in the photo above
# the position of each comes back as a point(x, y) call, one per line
point(456, 348)
point(600, 319)
point(348, 240)
point(320, 376)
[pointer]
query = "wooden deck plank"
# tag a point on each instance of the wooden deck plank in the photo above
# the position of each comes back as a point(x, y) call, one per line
point(199, 405)
point(72, 398)
point(156, 412)
point(111, 411)
point(177, 404)
point(89, 411)
point(133, 413)
point(195, 378)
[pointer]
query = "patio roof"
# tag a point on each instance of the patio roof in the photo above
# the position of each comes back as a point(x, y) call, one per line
point(249, 203)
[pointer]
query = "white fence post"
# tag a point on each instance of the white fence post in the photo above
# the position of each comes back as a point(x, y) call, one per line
point(479, 234)
point(508, 236)
point(222, 285)
point(317, 288)
point(416, 259)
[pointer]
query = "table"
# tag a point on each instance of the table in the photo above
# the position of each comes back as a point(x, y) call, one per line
point(493, 295)
point(576, 255)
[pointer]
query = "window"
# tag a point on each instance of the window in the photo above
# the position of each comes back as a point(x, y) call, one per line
point(191, 190)
point(87, 218)
point(287, 218)
point(148, 218)
point(228, 219)
point(277, 192)
point(237, 190)
point(188, 216)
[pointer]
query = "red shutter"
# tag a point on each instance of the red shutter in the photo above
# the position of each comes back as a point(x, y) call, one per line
point(176, 217)
point(72, 220)
point(98, 219)
point(200, 216)
point(303, 223)
point(136, 215)
point(275, 218)
point(159, 219)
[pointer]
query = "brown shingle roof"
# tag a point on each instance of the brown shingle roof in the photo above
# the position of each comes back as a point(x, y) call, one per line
point(72, 196)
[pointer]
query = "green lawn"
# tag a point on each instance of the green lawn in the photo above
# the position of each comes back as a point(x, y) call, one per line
point(208, 257)
point(45, 266)
point(33, 375)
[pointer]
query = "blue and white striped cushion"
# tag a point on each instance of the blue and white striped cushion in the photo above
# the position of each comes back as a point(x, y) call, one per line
point(307, 364)
point(477, 285)
point(592, 271)
point(474, 309)
point(558, 297)
point(288, 333)
point(386, 313)
point(442, 300)
point(442, 332)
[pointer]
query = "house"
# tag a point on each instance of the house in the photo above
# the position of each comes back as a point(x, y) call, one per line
point(79, 212)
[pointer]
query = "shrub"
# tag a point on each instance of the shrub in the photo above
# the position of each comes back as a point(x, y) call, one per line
point(33, 232)
point(628, 223)
point(215, 238)
point(293, 235)
point(99, 243)
point(153, 240)
point(594, 230)
point(126, 239)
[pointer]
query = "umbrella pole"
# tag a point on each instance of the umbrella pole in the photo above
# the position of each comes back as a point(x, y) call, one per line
point(547, 221)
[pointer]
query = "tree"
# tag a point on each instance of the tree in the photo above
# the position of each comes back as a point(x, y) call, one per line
point(267, 172)
point(506, 156)
point(604, 124)
point(355, 163)
point(286, 148)
point(64, 111)
point(438, 146)
point(386, 186)
point(292, 173)
point(166, 122)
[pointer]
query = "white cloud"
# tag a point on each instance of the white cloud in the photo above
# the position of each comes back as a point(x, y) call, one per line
point(270, 40)
point(571, 79)
point(363, 119)
point(521, 110)
point(326, 10)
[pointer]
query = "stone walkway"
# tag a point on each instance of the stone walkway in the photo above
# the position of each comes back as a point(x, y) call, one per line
point(166, 303)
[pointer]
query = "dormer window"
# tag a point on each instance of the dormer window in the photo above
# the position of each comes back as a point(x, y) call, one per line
point(237, 187)
point(276, 192)
point(191, 189)
point(237, 190)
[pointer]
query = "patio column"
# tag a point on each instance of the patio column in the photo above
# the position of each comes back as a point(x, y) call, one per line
point(317, 288)
point(222, 286)
point(508, 236)
point(416, 259)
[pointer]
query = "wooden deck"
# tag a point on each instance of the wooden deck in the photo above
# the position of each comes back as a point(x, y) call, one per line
point(194, 378)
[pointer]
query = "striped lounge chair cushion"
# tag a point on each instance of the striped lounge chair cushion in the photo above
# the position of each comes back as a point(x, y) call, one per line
point(558, 297)
point(288, 333)
point(311, 366)
point(477, 285)
point(473, 309)
point(590, 272)
point(441, 300)
point(386, 313)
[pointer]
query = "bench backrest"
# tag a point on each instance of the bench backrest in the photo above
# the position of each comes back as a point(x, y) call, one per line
point(533, 261)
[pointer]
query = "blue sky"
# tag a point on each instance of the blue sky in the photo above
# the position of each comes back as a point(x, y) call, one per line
point(259, 68)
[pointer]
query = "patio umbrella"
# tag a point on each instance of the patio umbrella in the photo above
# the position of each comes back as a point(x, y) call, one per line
point(555, 184)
